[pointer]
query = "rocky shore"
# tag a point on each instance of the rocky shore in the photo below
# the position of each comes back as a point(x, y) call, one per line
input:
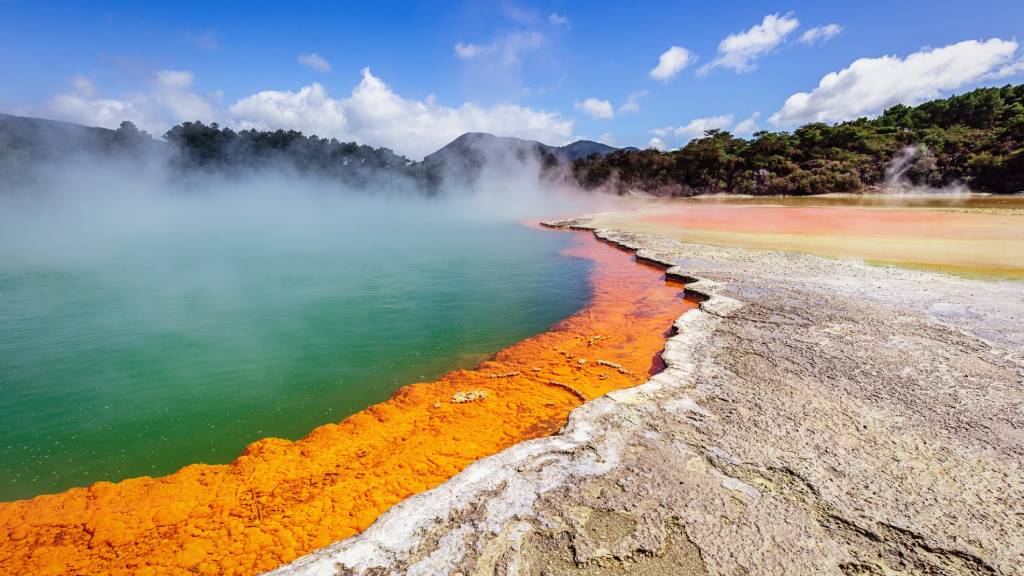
point(816, 416)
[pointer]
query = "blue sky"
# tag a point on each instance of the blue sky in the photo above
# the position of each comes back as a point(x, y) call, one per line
point(517, 68)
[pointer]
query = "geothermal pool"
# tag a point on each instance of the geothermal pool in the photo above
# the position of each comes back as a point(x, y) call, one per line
point(280, 499)
point(965, 234)
point(167, 346)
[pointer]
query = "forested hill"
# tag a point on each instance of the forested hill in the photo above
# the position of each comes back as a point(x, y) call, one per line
point(33, 143)
point(26, 142)
point(975, 139)
point(199, 146)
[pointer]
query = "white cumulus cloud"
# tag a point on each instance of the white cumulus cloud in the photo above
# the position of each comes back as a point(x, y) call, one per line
point(740, 51)
point(371, 114)
point(671, 63)
point(374, 114)
point(657, 143)
point(747, 126)
point(310, 110)
point(820, 34)
point(694, 129)
point(168, 100)
point(315, 61)
point(103, 112)
point(596, 108)
point(173, 92)
point(869, 85)
point(698, 126)
point(632, 103)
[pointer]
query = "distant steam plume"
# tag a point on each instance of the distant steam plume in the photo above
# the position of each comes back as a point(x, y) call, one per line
point(913, 171)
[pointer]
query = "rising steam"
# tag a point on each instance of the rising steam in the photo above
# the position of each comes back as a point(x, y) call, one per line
point(87, 204)
point(913, 171)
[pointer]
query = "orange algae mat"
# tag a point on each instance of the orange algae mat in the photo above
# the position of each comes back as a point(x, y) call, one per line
point(281, 499)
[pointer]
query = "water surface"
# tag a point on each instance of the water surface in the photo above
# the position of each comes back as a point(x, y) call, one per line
point(162, 346)
point(965, 234)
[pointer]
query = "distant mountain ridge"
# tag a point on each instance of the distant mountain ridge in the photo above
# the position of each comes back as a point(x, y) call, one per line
point(472, 146)
point(584, 149)
point(463, 159)
point(25, 142)
point(54, 137)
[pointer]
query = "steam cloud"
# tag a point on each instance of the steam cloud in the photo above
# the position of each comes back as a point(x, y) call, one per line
point(910, 172)
point(88, 205)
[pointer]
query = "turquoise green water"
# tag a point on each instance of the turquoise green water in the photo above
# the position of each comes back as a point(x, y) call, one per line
point(146, 352)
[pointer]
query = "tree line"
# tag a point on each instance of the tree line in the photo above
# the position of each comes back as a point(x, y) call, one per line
point(192, 147)
point(975, 139)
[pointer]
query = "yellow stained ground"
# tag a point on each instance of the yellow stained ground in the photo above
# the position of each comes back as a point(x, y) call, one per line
point(978, 236)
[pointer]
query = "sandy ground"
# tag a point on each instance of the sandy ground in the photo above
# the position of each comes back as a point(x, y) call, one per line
point(816, 416)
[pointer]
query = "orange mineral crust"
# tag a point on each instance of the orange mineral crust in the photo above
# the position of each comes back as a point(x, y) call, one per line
point(282, 499)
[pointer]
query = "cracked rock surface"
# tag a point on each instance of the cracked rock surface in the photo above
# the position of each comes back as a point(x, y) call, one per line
point(816, 416)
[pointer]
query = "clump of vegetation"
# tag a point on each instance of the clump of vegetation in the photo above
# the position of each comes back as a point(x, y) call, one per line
point(199, 146)
point(975, 139)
